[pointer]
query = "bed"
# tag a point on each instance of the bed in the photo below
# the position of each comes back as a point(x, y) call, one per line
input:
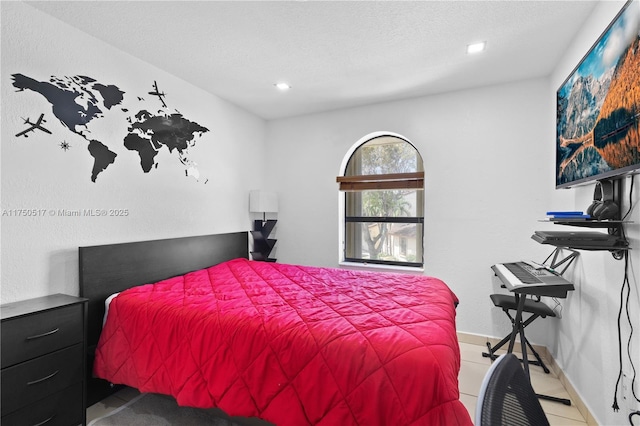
point(290, 344)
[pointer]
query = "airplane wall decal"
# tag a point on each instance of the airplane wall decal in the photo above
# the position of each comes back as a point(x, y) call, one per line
point(33, 126)
point(157, 93)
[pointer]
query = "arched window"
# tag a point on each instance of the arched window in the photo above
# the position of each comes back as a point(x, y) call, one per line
point(383, 189)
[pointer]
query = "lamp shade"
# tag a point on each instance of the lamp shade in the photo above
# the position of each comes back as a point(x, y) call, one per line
point(263, 201)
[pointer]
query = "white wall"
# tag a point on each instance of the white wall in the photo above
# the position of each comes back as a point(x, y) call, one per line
point(39, 254)
point(488, 173)
point(587, 346)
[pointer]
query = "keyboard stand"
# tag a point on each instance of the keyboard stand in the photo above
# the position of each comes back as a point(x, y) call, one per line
point(520, 297)
point(556, 263)
point(518, 329)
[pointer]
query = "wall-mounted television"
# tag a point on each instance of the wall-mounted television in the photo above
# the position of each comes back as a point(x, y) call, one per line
point(598, 107)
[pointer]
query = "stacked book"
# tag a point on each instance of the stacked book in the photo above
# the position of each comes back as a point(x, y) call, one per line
point(567, 215)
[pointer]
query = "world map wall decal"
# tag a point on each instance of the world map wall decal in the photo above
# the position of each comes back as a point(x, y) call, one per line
point(79, 101)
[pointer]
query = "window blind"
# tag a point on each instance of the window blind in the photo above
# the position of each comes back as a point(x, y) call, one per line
point(389, 181)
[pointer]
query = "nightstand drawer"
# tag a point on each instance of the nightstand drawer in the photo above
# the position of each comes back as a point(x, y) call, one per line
point(30, 381)
point(30, 336)
point(61, 409)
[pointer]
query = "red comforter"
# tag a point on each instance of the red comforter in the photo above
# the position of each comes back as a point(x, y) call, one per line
point(290, 344)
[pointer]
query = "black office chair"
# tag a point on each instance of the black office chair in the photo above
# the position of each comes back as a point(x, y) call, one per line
point(507, 398)
point(536, 308)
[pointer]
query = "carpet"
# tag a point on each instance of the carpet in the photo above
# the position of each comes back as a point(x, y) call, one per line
point(150, 409)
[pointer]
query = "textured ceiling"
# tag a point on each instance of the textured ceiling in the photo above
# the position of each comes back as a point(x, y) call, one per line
point(335, 54)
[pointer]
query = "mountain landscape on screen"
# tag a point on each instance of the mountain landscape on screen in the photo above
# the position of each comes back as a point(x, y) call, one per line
point(599, 107)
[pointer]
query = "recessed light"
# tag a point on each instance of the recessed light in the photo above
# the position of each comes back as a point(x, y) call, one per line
point(282, 86)
point(476, 47)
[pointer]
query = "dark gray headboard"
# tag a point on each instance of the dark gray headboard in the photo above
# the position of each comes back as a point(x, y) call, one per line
point(108, 269)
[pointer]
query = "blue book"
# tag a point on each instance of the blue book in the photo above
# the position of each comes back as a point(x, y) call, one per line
point(567, 216)
point(566, 213)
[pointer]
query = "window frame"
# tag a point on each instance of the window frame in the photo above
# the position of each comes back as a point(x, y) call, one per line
point(361, 183)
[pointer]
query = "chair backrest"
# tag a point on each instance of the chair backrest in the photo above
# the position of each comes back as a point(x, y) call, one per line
point(506, 396)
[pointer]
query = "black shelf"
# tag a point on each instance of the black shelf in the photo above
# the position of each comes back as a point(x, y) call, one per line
point(614, 227)
point(262, 244)
point(576, 246)
point(589, 223)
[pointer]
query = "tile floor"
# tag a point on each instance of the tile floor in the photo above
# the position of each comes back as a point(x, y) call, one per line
point(472, 372)
point(474, 367)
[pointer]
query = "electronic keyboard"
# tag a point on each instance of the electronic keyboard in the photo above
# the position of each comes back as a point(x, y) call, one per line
point(532, 278)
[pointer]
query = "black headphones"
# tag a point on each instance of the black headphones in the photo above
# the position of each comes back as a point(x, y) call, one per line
point(603, 206)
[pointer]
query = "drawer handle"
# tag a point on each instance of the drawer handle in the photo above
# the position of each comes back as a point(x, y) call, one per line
point(35, 382)
point(48, 333)
point(46, 421)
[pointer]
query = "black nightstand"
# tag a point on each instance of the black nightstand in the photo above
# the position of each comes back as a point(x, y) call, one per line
point(43, 361)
